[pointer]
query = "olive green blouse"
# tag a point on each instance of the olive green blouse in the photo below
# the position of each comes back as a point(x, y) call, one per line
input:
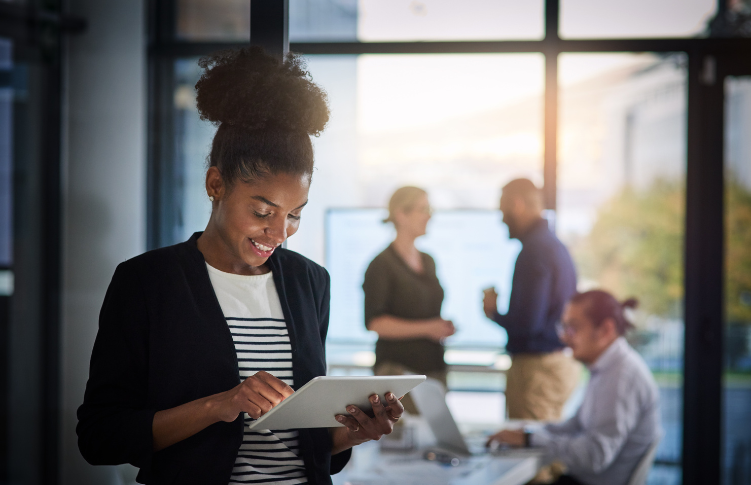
point(393, 288)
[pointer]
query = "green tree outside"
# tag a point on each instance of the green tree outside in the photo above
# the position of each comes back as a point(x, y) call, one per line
point(635, 248)
point(738, 253)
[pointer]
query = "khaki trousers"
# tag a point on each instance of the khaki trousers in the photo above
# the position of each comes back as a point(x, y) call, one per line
point(394, 369)
point(538, 385)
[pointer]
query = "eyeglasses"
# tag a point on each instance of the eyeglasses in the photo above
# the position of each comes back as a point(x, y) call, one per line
point(563, 330)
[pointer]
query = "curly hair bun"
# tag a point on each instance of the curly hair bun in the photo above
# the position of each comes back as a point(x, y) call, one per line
point(248, 88)
point(630, 303)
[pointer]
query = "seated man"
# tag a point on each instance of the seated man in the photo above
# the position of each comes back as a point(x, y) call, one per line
point(619, 418)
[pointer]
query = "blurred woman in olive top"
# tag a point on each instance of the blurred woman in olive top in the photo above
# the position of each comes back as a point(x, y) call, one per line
point(403, 296)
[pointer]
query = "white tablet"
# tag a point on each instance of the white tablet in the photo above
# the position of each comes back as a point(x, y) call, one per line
point(316, 404)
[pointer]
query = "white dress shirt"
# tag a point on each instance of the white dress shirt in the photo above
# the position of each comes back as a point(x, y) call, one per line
point(613, 428)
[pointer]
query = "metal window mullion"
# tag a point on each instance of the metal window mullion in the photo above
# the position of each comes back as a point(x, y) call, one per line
point(550, 161)
point(703, 280)
point(269, 26)
point(550, 158)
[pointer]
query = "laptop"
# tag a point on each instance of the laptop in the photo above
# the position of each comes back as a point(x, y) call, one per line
point(430, 399)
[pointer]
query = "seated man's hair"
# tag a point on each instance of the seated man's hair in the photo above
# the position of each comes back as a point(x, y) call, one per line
point(600, 305)
point(526, 190)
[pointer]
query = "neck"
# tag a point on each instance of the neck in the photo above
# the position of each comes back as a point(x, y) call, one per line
point(603, 350)
point(404, 243)
point(528, 223)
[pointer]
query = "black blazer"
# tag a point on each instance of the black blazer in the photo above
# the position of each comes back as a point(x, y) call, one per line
point(163, 341)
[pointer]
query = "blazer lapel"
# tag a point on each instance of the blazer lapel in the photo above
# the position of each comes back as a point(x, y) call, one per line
point(204, 296)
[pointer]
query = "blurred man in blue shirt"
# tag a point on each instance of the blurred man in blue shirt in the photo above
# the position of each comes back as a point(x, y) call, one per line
point(542, 376)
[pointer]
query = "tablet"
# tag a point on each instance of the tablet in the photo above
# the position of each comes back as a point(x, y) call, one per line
point(316, 404)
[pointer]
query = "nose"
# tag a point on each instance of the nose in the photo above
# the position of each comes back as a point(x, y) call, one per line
point(277, 230)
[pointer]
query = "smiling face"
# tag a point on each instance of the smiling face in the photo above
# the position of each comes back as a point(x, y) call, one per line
point(251, 219)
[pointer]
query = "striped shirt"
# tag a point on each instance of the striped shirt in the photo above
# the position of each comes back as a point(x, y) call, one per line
point(254, 315)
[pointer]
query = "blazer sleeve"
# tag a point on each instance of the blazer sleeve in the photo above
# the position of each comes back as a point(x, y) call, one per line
point(324, 306)
point(114, 421)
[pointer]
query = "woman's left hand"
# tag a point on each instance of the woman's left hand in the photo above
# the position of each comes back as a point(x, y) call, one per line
point(361, 427)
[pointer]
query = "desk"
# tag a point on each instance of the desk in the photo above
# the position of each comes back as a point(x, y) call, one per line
point(371, 466)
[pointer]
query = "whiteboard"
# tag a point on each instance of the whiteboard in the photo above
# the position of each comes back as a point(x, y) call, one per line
point(472, 251)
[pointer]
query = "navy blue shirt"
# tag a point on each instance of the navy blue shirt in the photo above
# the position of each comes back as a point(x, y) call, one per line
point(544, 280)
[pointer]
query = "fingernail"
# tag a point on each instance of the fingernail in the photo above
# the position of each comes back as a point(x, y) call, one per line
point(352, 410)
point(375, 399)
point(390, 396)
point(340, 419)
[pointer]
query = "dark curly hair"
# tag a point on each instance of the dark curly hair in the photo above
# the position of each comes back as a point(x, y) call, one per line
point(601, 305)
point(266, 110)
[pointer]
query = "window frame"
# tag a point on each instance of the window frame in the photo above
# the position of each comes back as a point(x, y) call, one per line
point(38, 31)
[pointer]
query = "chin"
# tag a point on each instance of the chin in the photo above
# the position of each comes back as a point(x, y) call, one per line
point(255, 261)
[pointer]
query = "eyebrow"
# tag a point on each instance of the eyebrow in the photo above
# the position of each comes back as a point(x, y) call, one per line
point(268, 202)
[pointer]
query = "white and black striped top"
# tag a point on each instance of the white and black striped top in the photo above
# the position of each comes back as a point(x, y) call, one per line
point(254, 315)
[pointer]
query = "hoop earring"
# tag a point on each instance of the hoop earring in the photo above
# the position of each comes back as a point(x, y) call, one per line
point(211, 198)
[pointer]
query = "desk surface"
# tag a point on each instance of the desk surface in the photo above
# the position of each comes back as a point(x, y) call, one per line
point(369, 465)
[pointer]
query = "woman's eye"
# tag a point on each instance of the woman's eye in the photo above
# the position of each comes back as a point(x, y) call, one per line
point(261, 215)
point(294, 217)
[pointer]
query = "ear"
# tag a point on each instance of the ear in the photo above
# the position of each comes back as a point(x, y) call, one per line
point(214, 183)
point(399, 216)
point(609, 328)
point(518, 206)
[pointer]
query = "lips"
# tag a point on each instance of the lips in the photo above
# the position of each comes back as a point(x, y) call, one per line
point(261, 249)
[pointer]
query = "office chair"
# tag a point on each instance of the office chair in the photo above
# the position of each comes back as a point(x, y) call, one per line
point(639, 476)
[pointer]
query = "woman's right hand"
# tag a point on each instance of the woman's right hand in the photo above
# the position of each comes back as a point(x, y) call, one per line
point(256, 395)
point(440, 329)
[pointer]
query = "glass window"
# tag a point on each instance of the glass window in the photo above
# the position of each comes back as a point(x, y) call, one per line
point(606, 19)
point(215, 20)
point(622, 201)
point(323, 20)
point(737, 375)
point(192, 145)
point(404, 20)
point(369, 20)
point(457, 125)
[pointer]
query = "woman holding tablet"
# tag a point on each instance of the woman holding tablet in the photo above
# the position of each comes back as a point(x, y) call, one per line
point(403, 296)
point(194, 336)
